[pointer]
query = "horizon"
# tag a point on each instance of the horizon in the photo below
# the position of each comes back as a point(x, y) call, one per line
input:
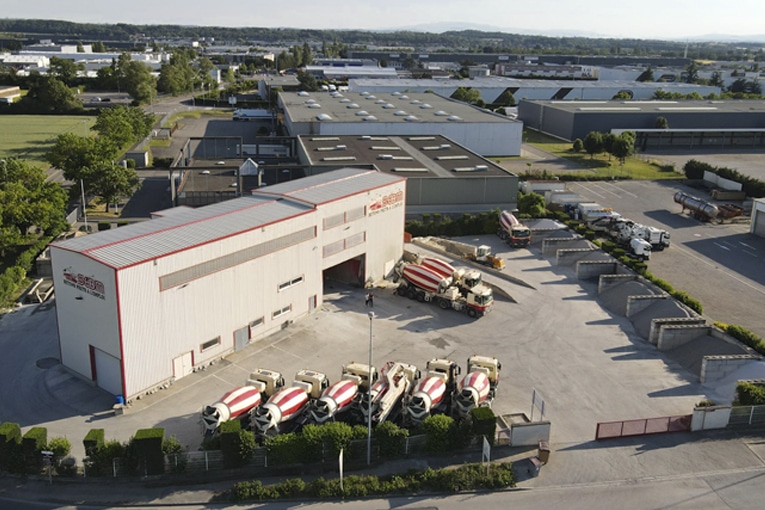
point(654, 20)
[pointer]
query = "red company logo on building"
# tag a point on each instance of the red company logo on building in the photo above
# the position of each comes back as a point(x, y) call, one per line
point(84, 283)
point(387, 202)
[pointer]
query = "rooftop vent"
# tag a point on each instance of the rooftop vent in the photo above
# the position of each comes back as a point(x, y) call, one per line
point(409, 170)
point(452, 157)
point(388, 106)
point(425, 106)
point(421, 138)
point(309, 101)
point(322, 117)
point(345, 100)
point(380, 101)
point(365, 93)
point(361, 113)
point(441, 113)
point(411, 118)
point(395, 93)
point(352, 106)
point(400, 113)
point(453, 118)
point(339, 158)
point(370, 96)
point(303, 93)
point(314, 105)
point(369, 118)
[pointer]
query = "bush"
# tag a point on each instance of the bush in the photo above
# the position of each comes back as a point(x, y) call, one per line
point(578, 145)
point(745, 336)
point(484, 423)
point(285, 449)
point(748, 394)
point(10, 447)
point(32, 443)
point(589, 235)
point(147, 446)
point(391, 439)
point(101, 462)
point(104, 225)
point(438, 430)
point(173, 449)
point(94, 440)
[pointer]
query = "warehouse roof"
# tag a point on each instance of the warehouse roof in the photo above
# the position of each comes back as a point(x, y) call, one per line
point(171, 233)
point(706, 106)
point(411, 155)
point(386, 107)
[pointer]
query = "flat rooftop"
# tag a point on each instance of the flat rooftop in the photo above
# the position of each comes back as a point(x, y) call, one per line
point(395, 107)
point(408, 155)
point(706, 106)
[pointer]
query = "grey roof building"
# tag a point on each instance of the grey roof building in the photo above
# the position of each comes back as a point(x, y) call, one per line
point(574, 119)
point(399, 113)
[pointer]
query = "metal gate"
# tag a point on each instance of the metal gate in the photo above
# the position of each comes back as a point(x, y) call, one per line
point(241, 338)
point(643, 426)
point(108, 372)
point(747, 416)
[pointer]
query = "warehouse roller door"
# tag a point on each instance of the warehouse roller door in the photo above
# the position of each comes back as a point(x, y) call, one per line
point(108, 372)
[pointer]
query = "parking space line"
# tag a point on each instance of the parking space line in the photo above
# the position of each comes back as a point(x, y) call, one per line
point(747, 246)
point(722, 246)
point(750, 253)
point(714, 266)
point(588, 190)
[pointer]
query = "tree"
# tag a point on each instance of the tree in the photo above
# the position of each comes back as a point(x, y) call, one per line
point(64, 69)
point(717, 80)
point(623, 147)
point(467, 95)
point(124, 124)
point(48, 94)
point(593, 143)
point(506, 98)
point(27, 200)
point(98, 47)
point(646, 75)
point(661, 123)
point(307, 81)
point(81, 157)
point(307, 55)
point(622, 95)
point(112, 181)
point(138, 81)
point(578, 146)
point(692, 72)
point(229, 76)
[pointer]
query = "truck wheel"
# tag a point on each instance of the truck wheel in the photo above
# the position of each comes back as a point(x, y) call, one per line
point(401, 291)
point(443, 304)
point(421, 297)
point(411, 294)
point(471, 312)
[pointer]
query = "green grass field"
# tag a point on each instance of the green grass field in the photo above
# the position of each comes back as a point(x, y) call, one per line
point(29, 137)
point(602, 166)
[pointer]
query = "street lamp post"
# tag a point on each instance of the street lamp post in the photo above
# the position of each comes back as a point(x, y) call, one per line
point(369, 394)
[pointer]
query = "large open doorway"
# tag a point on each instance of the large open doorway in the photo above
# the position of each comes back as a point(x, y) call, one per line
point(351, 272)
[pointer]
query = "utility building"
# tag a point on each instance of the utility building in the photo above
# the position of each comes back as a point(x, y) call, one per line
point(142, 305)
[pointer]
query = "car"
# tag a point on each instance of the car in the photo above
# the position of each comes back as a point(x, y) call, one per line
point(95, 99)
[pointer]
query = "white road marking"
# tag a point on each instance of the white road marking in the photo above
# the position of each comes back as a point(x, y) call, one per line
point(752, 254)
point(622, 190)
point(747, 246)
point(588, 190)
point(722, 246)
point(714, 266)
point(607, 191)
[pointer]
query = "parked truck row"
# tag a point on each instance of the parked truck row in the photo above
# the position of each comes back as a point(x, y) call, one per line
point(399, 392)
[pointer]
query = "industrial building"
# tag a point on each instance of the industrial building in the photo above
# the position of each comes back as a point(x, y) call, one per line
point(143, 305)
point(399, 114)
point(690, 123)
point(758, 217)
point(491, 87)
point(441, 175)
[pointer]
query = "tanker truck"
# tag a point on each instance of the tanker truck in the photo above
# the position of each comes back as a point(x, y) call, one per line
point(285, 408)
point(700, 209)
point(479, 386)
point(426, 285)
point(238, 402)
point(432, 394)
point(385, 398)
point(512, 231)
point(336, 400)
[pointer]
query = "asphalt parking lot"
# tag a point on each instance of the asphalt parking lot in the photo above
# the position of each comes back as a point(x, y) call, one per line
point(586, 362)
point(721, 265)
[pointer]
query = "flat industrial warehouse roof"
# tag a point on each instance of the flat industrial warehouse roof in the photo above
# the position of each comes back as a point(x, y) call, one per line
point(386, 107)
point(658, 107)
point(504, 82)
point(188, 228)
point(405, 155)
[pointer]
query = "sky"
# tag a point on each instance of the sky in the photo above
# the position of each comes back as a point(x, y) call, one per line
point(646, 19)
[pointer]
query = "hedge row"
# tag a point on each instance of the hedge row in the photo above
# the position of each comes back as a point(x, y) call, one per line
point(743, 335)
point(13, 277)
point(22, 454)
point(695, 169)
point(464, 478)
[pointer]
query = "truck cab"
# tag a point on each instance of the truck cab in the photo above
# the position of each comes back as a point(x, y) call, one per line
point(267, 382)
point(314, 383)
point(360, 373)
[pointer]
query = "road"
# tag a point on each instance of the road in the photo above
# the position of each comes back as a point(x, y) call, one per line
point(721, 265)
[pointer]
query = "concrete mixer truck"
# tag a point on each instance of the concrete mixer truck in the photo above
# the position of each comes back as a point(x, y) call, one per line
point(426, 284)
point(238, 402)
point(478, 387)
point(432, 393)
point(513, 231)
point(336, 400)
point(285, 408)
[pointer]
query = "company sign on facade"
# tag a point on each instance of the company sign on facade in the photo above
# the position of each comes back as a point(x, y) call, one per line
point(83, 283)
point(386, 203)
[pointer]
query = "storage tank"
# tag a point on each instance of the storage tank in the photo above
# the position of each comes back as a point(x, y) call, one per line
point(700, 208)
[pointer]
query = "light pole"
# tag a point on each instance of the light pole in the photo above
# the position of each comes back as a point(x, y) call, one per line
point(369, 394)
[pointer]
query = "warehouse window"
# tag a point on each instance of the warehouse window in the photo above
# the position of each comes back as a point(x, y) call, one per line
point(355, 239)
point(209, 344)
point(343, 218)
point(281, 311)
point(256, 322)
point(334, 221)
point(290, 283)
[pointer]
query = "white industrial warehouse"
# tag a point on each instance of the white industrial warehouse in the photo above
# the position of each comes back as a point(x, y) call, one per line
point(400, 114)
point(145, 304)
